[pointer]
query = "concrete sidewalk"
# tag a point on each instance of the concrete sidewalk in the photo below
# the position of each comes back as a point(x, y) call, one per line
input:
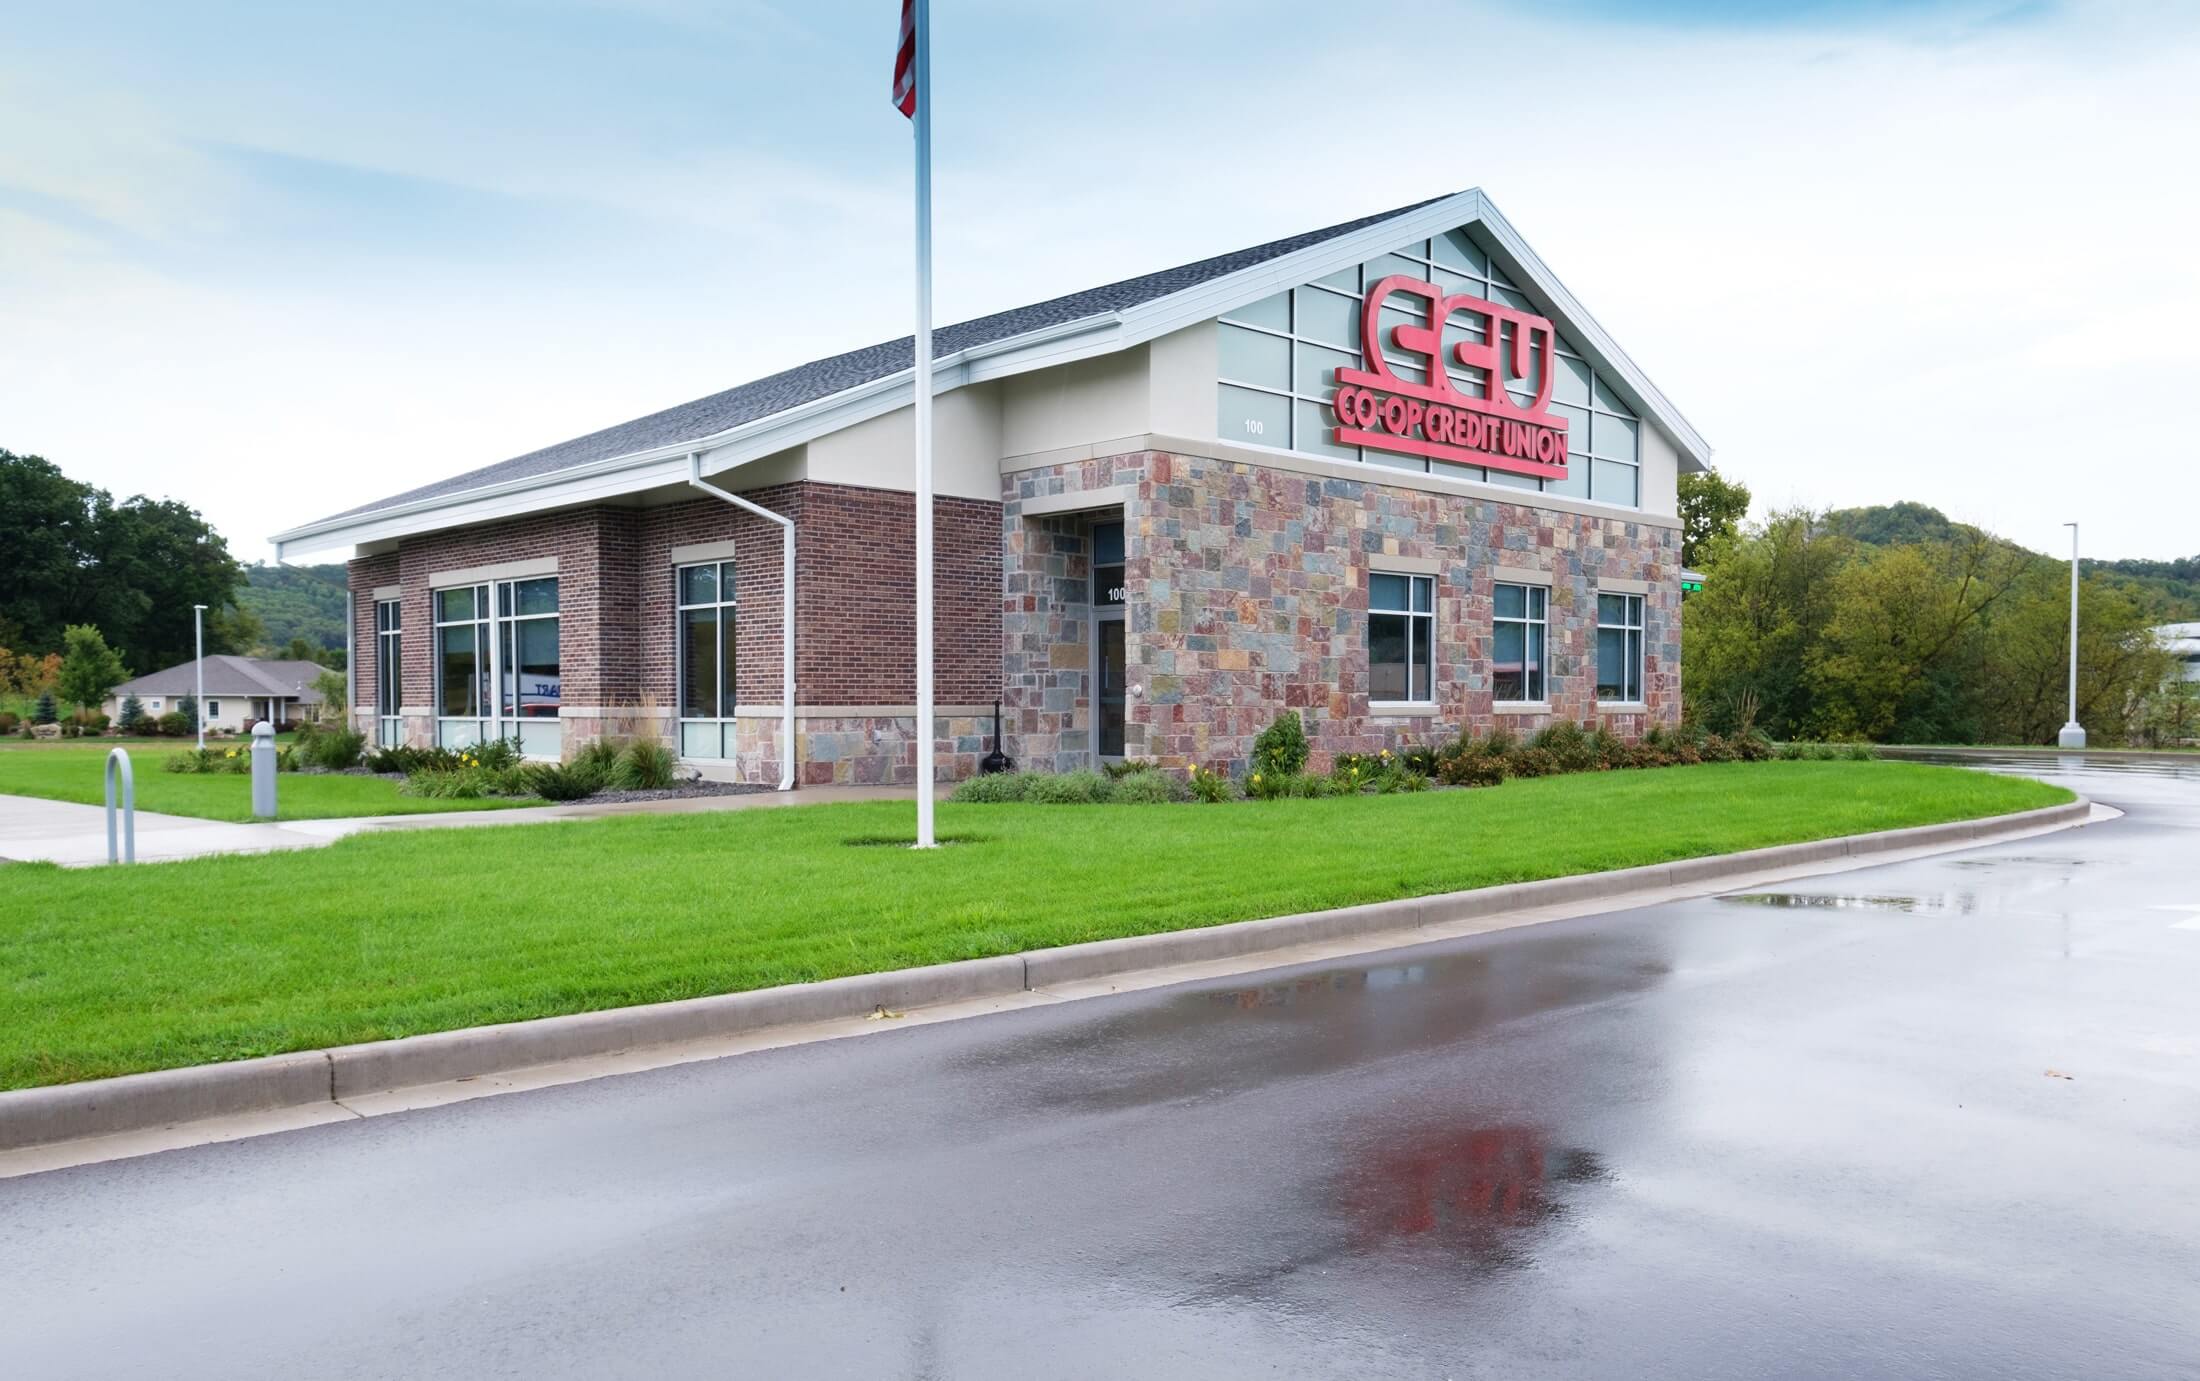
point(33, 831)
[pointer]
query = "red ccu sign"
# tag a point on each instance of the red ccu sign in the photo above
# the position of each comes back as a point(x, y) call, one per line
point(1376, 408)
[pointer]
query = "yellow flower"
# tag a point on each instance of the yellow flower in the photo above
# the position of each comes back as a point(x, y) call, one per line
point(1256, 779)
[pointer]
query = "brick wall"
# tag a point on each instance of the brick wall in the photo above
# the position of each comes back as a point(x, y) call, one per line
point(856, 640)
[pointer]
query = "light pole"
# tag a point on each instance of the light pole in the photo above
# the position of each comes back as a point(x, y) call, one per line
point(2073, 733)
point(198, 669)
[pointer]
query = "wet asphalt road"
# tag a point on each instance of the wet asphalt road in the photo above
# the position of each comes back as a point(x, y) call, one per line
point(1932, 1119)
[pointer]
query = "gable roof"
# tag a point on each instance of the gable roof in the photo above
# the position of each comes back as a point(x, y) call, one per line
point(230, 675)
point(877, 378)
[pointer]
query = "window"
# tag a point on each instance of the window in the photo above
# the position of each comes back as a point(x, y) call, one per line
point(1278, 360)
point(155, 705)
point(1401, 638)
point(1519, 636)
point(497, 672)
point(529, 676)
point(213, 709)
point(1619, 648)
point(1107, 563)
point(707, 600)
point(389, 673)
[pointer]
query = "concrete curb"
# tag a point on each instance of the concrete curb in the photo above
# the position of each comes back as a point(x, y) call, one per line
point(136, 1102)
point(1906, 751)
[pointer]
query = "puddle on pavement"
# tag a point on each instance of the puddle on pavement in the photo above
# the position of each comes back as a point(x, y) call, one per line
point(1960, 904)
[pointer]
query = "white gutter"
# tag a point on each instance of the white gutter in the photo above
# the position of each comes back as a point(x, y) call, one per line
point(786, 613)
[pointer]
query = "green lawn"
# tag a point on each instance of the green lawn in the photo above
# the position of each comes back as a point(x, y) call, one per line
point(76, 771)
point(110, 970)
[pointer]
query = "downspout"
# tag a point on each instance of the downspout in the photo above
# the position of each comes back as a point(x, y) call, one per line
point(786, 608)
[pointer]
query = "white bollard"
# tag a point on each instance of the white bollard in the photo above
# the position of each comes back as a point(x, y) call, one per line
point(118, 761)
point(263, 771)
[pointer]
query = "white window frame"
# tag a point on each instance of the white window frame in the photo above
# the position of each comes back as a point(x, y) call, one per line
point(726, 603)
point(1531, 625)
point(389, 672)
point(213, 709)
point(1633, 637)
point(493, 627)
point(1416, 635)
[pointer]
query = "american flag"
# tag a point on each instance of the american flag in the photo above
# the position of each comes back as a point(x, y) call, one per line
point(905, 61)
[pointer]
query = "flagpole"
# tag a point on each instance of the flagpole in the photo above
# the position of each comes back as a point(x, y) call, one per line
point(923, 354)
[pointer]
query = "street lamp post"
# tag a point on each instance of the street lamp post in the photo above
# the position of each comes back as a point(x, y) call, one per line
point(198, 669)
point(2073, 733)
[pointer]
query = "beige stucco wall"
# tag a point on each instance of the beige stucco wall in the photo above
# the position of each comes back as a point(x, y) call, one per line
point(966, 447)
point(1076, 404)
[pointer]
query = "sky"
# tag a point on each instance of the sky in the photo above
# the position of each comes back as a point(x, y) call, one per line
point(277, 260)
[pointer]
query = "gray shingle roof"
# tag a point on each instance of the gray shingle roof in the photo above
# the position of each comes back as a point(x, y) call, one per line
point(822, 378)
point(228, 675)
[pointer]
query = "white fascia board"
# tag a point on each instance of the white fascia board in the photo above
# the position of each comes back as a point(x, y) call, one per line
point(1045, 348)
point(1536, 279)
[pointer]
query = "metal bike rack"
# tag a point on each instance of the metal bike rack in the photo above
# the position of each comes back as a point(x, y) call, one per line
point(119, 758)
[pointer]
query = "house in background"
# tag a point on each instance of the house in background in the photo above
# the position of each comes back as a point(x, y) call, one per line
point(237, 689)
point(2183, 641)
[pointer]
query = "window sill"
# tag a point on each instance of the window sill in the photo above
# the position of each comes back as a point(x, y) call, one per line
point(1521, 707)
point(1623, 707)
point(1402, 707)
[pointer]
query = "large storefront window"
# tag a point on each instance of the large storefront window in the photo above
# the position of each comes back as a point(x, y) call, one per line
point(707, 608)
point(389, 672)
point(1619, 648)
point(1519, 637)
point(1278, 362)
point(497, 668)
point(1401, 636)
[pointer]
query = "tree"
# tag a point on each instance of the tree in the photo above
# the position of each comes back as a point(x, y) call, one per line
point(132, 717)
point(235, 630)
point(334, 688)
point(1712, 508)
point(45, 711)
point(90, 670)
point(132, 569)
point(188, 707)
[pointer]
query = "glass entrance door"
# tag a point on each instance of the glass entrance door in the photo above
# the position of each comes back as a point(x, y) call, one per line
point(1109, 694)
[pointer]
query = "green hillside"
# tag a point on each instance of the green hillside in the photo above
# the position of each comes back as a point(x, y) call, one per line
point(296, 602)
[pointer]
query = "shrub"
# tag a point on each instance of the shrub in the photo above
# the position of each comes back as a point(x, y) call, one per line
point(995, 789)
point(561, 781)
point(132, 715)
point(1420, 758)
point(8, 721)
point(1213, 788)
point(1395, 778)
point(1862, 752)
point(465, 783)
point(1791, 751)
point(45, 711)
point(1129, 767)
point(1475, 769)
point(645, 765)
point(1567, 745)
point(189, 760)
point(334, 749)
point(1610, 748)
point(173, 724)
point(1080, 788)
point(1532, 762)
point(1752, 745)
point(1280, 751)
point(1717, 749)
point(498, 753)
point(600, 757)
point(1151, 789)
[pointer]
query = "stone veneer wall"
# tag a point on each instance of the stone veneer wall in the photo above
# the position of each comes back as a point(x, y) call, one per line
point(1247, 592)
